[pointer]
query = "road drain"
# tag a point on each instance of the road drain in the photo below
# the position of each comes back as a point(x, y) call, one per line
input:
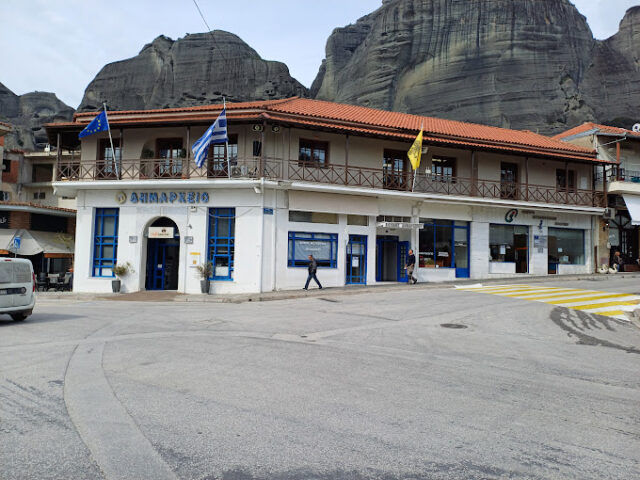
point(452, 325)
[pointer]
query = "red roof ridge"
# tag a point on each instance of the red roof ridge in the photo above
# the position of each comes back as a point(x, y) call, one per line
point(602, 129)
point(37, 205)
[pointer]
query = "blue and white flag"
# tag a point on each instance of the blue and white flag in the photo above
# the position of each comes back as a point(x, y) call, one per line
point(98, 124)
point(216, 133)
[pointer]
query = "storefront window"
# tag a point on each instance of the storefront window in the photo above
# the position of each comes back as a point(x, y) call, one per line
point(105, 242)
point(360, 220)
point(566, 246)
point(222, 223)
point(505, 240)
point(313, 217)
point(323, 247)
point(443, 243)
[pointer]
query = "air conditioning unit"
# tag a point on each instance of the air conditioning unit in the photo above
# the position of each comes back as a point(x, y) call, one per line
point(609, 213)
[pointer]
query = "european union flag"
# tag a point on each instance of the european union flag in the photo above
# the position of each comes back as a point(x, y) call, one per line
point(98, 124)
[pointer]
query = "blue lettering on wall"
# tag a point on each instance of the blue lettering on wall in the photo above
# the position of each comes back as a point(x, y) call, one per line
point(169, 197)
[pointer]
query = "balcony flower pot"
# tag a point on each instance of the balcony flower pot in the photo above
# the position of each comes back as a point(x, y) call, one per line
point(205, 270)
point(120, 270)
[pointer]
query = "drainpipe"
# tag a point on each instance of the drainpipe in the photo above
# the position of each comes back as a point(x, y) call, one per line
point(261, 233)
point(274, 242)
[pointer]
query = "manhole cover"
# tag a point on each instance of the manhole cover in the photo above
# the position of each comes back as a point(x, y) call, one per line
point(452, 325)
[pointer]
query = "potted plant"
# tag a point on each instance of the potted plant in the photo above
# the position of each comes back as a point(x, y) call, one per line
point(205, 270)
point(120, 270)
point(429, 263)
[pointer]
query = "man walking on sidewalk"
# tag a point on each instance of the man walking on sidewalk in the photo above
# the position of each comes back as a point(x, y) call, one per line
point(410, 266)
point(313, 268)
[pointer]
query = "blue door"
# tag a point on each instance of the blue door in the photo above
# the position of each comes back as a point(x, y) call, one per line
point(357, 260)
point(461, 251)
point(162, 264)
point(403, 252)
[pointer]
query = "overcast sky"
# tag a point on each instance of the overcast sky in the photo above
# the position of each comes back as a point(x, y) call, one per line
point(59, 46)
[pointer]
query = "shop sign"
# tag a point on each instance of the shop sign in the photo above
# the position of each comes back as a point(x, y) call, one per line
point(511, 215)
point(160, 232)
point(188, 197)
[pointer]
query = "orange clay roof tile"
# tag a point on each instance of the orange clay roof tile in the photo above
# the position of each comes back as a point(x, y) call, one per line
point(603, 129)
point(355, 119)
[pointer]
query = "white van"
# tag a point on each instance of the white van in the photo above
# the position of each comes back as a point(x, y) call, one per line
point(17, 287)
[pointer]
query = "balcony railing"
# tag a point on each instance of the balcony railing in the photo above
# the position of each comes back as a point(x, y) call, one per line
point(334, 174)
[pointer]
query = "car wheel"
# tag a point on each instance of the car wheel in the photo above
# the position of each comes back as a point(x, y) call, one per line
point(18, 317)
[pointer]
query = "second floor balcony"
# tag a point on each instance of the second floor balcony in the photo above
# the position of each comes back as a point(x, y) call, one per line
point(331, 174)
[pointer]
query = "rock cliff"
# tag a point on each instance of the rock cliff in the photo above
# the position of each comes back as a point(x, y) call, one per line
point(28, 113)
point(526, 64)
point(195, 70)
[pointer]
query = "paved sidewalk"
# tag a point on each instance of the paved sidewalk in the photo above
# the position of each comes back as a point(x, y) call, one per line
point(170, 296)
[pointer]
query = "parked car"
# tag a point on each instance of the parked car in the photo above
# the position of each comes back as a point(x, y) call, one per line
point(17, 288)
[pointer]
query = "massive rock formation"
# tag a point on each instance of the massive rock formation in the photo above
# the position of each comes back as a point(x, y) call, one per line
point(195, 70)
point(526, 64)
point(28, 113)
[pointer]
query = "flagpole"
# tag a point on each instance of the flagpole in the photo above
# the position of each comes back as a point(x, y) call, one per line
point(226, 144)
point(113, 150)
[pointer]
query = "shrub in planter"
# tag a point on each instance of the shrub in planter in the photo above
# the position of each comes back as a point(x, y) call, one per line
point(120, 270)
point(205, 270)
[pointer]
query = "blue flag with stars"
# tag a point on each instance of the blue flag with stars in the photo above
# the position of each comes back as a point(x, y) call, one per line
point(98, 124)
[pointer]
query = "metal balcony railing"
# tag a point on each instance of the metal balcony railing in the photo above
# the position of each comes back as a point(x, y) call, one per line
point(333, 174)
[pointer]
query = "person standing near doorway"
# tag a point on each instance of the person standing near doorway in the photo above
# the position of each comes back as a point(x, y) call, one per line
point(313, 268)
point(410, 266)
point(618, 262)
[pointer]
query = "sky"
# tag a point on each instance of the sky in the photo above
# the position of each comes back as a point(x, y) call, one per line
point(59, 46)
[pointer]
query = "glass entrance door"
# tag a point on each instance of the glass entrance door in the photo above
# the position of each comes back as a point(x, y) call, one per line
point(357, 260)
point(403, 252)
point(461, 251)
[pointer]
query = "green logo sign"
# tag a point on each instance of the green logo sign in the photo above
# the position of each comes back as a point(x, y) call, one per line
point(510, 215)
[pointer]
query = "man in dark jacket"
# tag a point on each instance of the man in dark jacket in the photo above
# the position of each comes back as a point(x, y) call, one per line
point(313, 268)
point(410, 266)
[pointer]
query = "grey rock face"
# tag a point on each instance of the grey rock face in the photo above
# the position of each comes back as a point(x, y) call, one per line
point(526, 64)
point(28, 113)
point(195, 70)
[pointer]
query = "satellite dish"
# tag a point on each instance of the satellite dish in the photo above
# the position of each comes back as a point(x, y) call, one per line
point(636, 127)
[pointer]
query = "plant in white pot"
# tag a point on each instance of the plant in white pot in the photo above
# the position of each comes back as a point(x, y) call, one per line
point(205, 270)
point(120, 270)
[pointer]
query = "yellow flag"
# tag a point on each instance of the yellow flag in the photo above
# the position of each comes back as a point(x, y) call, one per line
point(415, 152)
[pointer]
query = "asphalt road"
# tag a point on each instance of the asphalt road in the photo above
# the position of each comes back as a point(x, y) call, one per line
point(377, 386)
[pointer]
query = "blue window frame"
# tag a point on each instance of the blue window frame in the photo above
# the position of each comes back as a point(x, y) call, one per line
point(323, 247)
point(222, 226)
point(105, 242)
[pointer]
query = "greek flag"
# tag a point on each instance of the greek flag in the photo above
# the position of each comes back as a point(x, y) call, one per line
point(216, 133)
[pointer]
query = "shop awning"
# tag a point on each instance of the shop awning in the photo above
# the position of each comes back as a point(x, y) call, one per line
point(633, 205)
point(33, 242)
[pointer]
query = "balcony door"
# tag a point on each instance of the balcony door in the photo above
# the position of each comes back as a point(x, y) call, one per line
point(217, 161)
point(170, 155)
point(395, 166)
point(108, 159)
point(509, 180)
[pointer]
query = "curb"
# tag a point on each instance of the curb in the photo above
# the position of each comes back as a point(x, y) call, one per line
point(316, 293)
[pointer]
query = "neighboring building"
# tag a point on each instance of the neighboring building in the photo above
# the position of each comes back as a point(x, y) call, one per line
point(621, 148)
point(312, 177)
point(34, 223)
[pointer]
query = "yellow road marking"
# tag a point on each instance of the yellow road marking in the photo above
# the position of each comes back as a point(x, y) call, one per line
point(609, 313)
point(607, 304)
point(601, 296)
point(556, 293)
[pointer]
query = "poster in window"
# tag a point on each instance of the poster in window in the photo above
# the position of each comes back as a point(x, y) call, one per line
point(320, 249)
point(4, 219)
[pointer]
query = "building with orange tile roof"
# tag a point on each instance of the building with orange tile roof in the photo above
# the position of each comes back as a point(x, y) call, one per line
point(30, 211)
point(621, 148)
point(302, 176)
